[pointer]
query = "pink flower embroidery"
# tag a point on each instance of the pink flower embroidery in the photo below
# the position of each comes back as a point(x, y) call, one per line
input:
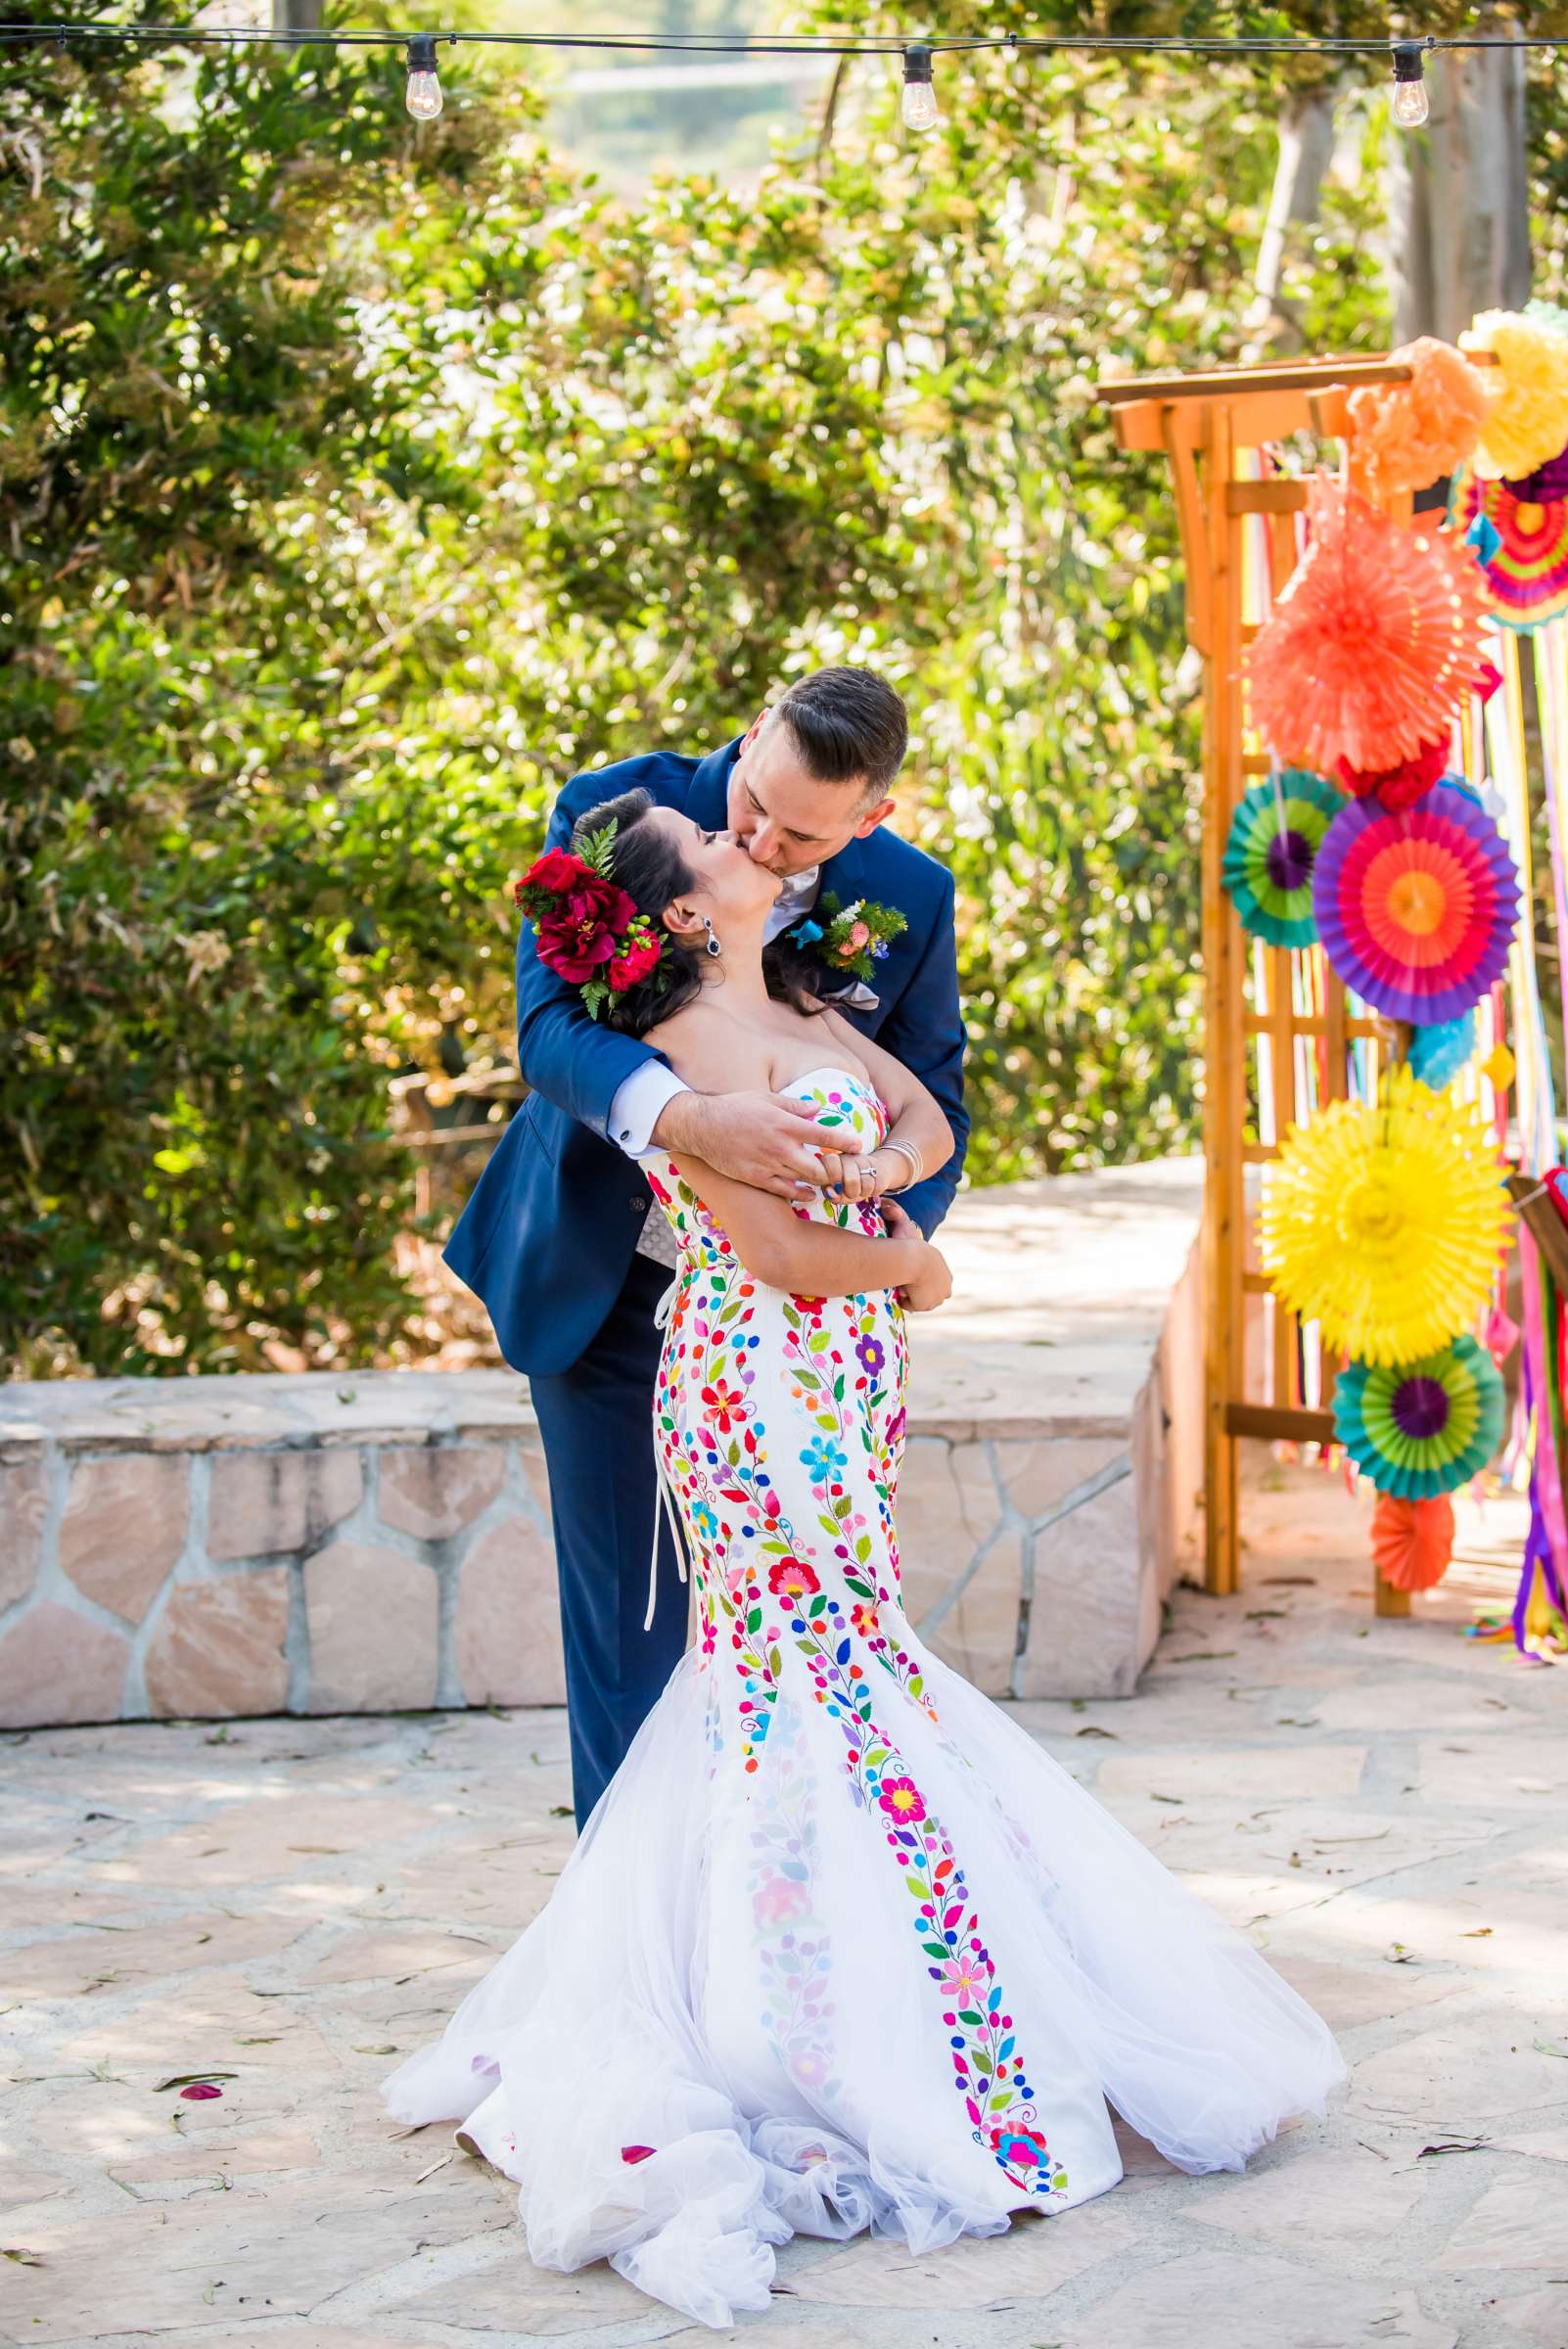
point(901, 1799)
point(962, 1981)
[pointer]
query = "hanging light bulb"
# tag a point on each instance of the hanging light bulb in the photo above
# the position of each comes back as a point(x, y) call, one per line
point(1411, 107)
point(424, 82)
point(920, 109)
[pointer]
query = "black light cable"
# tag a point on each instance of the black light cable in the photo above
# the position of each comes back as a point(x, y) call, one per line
point(919, 106)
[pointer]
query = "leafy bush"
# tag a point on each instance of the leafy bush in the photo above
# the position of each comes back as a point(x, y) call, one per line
point(359, 483)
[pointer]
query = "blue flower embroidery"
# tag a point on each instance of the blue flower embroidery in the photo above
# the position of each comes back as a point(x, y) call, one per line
point(823, 1460)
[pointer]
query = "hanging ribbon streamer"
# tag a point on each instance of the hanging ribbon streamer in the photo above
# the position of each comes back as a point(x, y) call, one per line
point(1507, 753)
point(1539, 1614)
point(1496, 740)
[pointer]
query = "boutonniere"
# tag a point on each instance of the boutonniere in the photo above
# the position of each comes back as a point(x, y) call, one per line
point(850, 938)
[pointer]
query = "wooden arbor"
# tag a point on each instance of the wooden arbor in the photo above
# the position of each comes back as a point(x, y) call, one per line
point(1277, 1034)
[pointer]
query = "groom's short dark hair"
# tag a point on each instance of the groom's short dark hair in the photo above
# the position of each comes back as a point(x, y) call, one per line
point(847, 724)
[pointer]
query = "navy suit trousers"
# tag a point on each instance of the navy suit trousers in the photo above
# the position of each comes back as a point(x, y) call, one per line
point(596, 1418)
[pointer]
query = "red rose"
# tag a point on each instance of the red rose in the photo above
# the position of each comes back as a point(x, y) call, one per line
point(635, 964)
point(556, 870)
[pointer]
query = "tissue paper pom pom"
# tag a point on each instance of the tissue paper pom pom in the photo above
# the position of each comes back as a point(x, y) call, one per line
point(1527, 392)
point(1413, 1541)
point(1408, 436)
point(1438, 1053)
point(1385, 1220)
point(1547, 486)
point(1376, 640)
point(1403, 785)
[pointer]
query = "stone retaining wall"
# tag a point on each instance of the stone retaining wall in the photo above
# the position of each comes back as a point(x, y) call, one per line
point(216, 1547)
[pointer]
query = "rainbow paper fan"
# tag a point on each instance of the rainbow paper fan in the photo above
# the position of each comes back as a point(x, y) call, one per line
point(1267, 867)
point(1413, 1541)
point(1374, 642)
point(1385, 1220)
point(1416, 908)
point(1425, 1427)
point(1438, 1052)
point(1527, 571)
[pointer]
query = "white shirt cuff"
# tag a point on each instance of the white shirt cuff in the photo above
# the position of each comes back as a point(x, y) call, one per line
point(635, 1110)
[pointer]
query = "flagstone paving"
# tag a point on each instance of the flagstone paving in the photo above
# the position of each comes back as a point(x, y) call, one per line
point(292, 1904)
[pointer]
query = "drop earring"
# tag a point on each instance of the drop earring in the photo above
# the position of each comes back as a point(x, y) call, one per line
point(712, 947)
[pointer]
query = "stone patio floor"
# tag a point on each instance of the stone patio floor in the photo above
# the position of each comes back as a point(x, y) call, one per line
point(1380, 1804)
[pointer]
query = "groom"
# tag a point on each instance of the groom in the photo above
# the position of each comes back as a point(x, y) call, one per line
point(557, 1239)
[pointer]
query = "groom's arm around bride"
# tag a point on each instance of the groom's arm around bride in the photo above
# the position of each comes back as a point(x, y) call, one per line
point(553, 1239)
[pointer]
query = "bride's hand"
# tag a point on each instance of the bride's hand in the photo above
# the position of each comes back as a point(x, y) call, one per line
point(931, 1284)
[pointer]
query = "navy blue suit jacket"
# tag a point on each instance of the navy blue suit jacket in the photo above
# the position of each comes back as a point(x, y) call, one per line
point(546, 1239)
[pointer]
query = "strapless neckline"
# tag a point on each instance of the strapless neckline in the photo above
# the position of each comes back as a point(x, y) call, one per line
point(831, 1068)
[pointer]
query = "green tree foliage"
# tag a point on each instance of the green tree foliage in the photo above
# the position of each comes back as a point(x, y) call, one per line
point(359, 483)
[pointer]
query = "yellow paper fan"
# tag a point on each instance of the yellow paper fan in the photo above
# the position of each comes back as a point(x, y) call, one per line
point(1385, 1222)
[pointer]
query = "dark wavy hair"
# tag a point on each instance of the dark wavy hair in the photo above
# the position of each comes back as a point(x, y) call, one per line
point(647, 862)
point(847, 726)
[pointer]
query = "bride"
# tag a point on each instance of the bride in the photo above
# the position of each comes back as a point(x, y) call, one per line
point(840, 1946)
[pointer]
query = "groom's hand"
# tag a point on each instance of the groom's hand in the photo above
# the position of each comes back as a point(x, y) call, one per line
point(768, 1140)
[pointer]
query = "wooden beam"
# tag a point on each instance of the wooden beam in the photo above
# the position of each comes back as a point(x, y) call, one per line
point(1223, 1046)
point(1197, 549)
point(1278, 1425)
point(1239, 382)
point(1278, 496)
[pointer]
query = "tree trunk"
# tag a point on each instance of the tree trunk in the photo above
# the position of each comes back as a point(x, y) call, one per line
point(1458, 196)
point(296, 15)
point(1306, 150)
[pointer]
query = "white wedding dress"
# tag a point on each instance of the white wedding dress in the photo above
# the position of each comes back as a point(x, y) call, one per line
point(841, 1946)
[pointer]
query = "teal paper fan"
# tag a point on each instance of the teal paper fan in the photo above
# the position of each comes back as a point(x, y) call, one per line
point(1422, 1428)
point(1271, 853)
point(1438, 1053)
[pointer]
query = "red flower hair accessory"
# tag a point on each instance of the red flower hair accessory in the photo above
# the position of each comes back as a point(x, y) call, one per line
point(586, 928)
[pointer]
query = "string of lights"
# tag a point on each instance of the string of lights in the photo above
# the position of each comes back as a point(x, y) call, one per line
point(920, 109)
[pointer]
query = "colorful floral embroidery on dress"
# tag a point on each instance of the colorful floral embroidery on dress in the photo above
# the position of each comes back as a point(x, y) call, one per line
point(825, 1587)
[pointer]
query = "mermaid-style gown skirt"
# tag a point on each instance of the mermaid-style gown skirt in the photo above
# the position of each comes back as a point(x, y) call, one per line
point(840, 1946)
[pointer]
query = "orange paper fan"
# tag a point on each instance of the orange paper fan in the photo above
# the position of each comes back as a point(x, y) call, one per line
point(1374, 642)
point(1413, 1541)
point(1408, 436)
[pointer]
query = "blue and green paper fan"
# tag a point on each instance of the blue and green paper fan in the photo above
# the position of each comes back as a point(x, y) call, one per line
point(1270, 853)
point(1422, 1428)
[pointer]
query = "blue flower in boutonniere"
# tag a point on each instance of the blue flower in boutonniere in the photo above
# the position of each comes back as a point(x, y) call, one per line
point(848, 938)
